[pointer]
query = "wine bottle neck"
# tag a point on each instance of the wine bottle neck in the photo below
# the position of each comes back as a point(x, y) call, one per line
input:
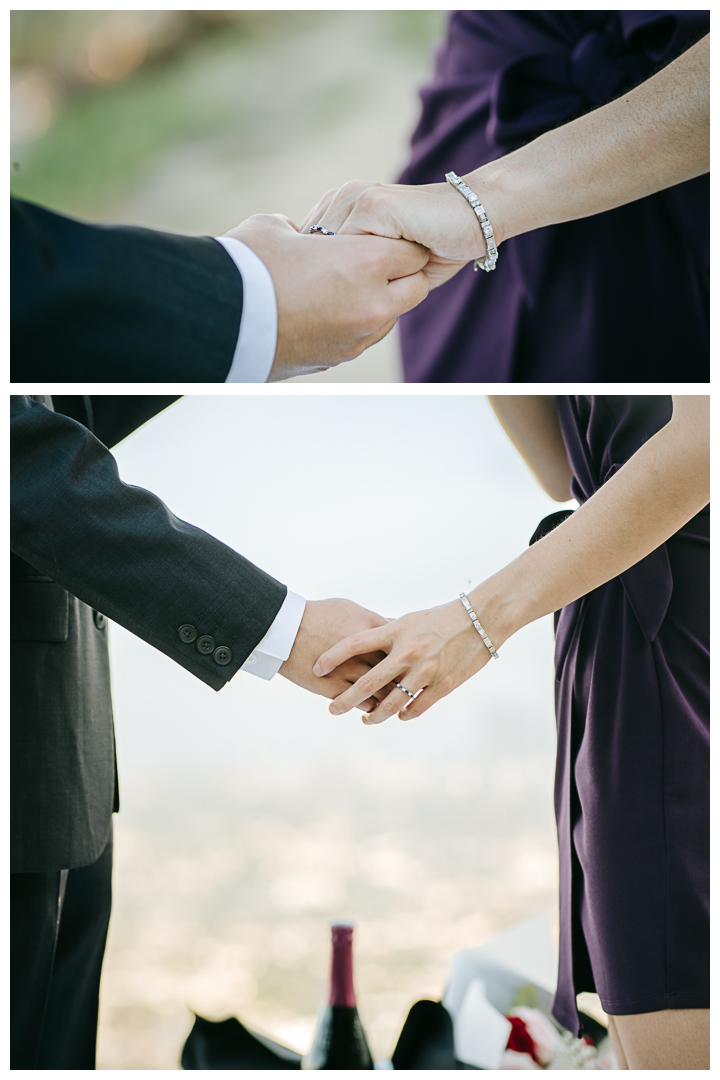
point(341, 971)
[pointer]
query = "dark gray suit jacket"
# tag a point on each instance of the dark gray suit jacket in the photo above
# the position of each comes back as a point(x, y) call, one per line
point(102, 303)
point(87, 547)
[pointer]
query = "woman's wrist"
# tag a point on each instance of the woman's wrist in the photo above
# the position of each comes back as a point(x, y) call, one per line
point(499, 614)
point(507, 196)
point(459, 234)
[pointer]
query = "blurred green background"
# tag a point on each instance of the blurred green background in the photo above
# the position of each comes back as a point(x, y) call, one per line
point(192, 120)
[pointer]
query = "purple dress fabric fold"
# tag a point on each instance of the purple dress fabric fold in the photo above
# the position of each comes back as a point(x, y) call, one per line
point(621, 296)
point(632, 780)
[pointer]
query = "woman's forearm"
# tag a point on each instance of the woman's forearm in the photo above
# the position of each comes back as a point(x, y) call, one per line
point(652, 137)
point(663, 485)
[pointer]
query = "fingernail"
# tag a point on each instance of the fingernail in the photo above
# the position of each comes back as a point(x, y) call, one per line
point(336, 710)
point(317, 670)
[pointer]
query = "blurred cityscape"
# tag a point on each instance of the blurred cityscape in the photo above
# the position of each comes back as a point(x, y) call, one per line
point(191, 121)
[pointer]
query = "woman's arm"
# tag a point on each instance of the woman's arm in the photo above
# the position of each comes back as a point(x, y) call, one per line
point(646, 140)
point(663, 485)
point(531, 423)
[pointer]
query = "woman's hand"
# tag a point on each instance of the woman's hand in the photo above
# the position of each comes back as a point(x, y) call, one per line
point(434, 215)
point(433, 651)
point(648, 139)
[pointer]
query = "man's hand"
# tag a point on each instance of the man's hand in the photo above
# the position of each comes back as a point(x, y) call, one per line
point(324, 624)
point(336, 295)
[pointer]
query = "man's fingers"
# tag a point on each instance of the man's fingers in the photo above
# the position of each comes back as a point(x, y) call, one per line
point(407, 292)
point(284, 217)
point(372, 339)
point(399, 257)
point(367, 641)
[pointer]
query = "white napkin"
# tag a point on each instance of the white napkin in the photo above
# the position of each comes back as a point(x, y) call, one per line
point(480, 1031)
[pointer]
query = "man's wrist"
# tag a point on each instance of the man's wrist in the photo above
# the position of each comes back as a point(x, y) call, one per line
point(257, 333)
point(268, 655)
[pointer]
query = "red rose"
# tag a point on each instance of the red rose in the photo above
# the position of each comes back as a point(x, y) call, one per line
point(520, 1040)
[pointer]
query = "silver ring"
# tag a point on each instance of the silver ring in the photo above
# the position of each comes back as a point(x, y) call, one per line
point(319, 229)
point(405, 691)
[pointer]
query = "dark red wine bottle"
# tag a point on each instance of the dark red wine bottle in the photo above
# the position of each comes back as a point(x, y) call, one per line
point(340, 1041)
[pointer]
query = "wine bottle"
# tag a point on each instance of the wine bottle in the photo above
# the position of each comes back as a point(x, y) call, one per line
point(340, 1041)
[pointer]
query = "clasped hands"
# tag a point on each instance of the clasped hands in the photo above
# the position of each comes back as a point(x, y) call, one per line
point(337, 295)
point(356, 657)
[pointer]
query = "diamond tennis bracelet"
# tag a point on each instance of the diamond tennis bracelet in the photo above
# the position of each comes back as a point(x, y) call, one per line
point(488, 261)
point(474, 620)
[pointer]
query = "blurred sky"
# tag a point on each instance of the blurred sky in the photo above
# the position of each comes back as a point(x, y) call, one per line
point(395, 502)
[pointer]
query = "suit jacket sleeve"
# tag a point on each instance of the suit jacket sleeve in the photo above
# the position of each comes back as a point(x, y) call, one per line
point(101, 303)
point(112, 417)
point(121, 550)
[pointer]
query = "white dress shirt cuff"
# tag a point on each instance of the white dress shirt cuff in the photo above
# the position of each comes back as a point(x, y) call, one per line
point(257, 338)
point(266, 658)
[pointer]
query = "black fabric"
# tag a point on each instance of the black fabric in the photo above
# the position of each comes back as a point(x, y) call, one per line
point(549, 523)
point(34, 911)
point(69, 1032)
point(227, 1044)
point(56, 958)
point(111, 417)
point(103, 303)
point(426, 1040)
point(99, 547)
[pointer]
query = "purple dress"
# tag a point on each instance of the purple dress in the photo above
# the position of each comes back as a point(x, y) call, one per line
point(620, 296)
point(632, 783)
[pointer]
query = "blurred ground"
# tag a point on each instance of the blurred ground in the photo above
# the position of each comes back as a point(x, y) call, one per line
point(192, 124)
point(225, 911)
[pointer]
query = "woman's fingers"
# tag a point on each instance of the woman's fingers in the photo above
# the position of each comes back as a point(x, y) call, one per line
point(373, 702)
point(367, 686)
point(393, 703)
point(367, 641)
point(425, 701)
point(354, 669)
point(335, 211)
point(314, 217)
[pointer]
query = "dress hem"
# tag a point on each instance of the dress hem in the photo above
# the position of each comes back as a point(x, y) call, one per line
point(680, 1000)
